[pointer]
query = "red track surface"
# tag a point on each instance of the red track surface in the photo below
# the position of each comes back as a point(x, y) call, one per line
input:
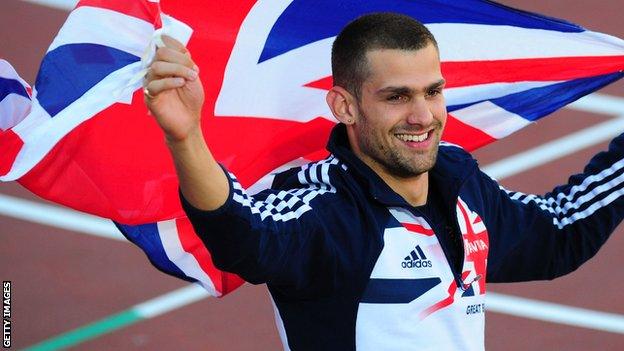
point(63, 280)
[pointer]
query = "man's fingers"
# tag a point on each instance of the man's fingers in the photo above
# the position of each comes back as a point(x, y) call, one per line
point(174, 56)
point(157, 86)
point(171, 68)
point(162, 69)
point(174, 44)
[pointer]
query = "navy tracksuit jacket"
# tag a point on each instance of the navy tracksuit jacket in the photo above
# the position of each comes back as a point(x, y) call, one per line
point(350, 265)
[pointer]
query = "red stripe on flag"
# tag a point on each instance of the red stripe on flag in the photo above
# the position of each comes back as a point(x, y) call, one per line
point(224, 282)
point(145, 10)
point(316, 155)
point(253, 161)
point(461, 74)
point(417, 228)
point(460, 133)
point(11, 146)
point(323, 83)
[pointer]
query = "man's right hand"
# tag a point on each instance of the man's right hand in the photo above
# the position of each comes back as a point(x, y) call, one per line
point(175, 96)
point(173, 91)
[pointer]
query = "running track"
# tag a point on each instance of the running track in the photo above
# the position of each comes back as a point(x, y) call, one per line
point(64, 279)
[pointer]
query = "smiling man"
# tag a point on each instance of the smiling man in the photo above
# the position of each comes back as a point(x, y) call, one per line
point(388, 243)
point(400, 111)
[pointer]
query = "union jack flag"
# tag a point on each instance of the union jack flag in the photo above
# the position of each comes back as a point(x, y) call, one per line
point(85, 139)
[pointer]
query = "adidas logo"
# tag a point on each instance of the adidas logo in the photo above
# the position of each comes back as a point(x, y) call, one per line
point(416, 259)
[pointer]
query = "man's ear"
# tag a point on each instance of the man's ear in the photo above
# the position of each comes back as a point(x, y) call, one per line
point(342, 104)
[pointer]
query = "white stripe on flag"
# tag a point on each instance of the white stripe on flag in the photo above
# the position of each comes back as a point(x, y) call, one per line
point(13, 109)
point(468, 42)
point(7, 71)
point(491, 119)
point(186, 262)
point(36, 120)
point(105, 27)
point(480, 92)
point(263, 83)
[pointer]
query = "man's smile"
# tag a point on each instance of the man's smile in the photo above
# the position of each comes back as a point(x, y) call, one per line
point(420, 141)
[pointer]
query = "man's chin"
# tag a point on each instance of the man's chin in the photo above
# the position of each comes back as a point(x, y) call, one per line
point(409, 171)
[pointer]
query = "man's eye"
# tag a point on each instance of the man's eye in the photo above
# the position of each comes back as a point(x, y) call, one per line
point(434, 92)
point(396, 98)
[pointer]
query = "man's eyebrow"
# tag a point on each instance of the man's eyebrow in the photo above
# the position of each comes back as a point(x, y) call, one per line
point(407, 90)
point(437, 84)
point(395, 90)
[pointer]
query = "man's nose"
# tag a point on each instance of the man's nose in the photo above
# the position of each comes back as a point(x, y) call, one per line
point(420, 113)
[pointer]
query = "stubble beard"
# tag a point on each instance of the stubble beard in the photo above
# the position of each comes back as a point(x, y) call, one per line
point(396, 161)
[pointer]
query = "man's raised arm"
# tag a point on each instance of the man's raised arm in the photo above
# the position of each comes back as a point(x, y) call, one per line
point(175, 96)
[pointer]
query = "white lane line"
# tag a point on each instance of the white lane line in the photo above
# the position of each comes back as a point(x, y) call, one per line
point(599, 103)
point(555, 149)
point(555, 313)
point(171, 301)
point(67, 5)
point(58, 217)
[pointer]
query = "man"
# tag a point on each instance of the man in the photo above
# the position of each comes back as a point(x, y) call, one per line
point(388, 243)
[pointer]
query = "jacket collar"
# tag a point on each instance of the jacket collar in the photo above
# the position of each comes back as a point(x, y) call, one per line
point(452, 168)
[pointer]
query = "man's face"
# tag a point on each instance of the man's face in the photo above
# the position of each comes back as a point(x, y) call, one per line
point(401, 112)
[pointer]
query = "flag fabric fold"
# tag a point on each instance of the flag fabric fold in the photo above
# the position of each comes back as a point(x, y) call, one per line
point(84, 138)
point(15, 104)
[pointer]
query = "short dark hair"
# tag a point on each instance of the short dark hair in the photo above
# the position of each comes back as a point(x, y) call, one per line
point(373, 32)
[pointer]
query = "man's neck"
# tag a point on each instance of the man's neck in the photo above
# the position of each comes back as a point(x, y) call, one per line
point(413, 189)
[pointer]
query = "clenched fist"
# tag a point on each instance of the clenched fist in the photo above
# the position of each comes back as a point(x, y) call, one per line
point(173, 91)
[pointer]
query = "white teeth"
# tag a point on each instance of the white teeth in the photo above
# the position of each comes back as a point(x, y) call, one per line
point(413, 138)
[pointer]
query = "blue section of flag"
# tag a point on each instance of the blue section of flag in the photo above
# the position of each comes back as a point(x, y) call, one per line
point(146, 237)
point(299, 23)
point(533, 104)
point(397, 290)
point(69, 71)
point(11, 86)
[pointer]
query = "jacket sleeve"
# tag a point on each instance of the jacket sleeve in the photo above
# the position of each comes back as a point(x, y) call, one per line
point(544, 237)
point(273, 237)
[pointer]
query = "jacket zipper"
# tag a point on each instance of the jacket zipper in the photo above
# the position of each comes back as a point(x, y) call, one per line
point(452, 236)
